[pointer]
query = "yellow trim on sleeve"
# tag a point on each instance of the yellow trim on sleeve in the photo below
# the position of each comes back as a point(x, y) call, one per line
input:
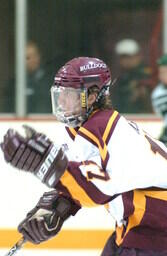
point(76, 190)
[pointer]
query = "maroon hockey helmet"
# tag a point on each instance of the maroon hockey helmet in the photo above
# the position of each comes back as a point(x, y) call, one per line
point(83, 71)
point(72, 81)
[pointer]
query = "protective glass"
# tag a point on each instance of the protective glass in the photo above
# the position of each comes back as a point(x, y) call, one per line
point(67, 104)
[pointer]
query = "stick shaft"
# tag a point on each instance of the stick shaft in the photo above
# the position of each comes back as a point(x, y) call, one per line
point(16, 247)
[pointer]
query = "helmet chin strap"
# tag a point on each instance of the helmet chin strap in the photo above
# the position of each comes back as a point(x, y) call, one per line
point(73, 121)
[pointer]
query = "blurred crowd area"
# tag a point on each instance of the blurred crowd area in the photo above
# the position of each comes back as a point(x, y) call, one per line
point(126, 34)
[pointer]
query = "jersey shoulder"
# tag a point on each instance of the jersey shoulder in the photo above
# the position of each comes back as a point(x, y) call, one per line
point(100, 125)
point(99, 120)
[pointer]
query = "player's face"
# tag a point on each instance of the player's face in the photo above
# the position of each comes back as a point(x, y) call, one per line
point(66, 101)
point(69, 101)
point(163, 74)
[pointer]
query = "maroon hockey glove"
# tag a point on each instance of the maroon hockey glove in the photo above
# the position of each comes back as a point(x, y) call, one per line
point(35, 153)
point(47, 218)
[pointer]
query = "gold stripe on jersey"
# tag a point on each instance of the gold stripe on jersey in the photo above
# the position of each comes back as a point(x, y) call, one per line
point(139, 202)
point(76, 190)
point(109, 125)
point(73, 131)
point(119, 232)
point(103, 150)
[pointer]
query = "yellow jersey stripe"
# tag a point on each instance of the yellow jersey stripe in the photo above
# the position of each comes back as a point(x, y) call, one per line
point(73, 131)
point(76, 190)
point(103, 151)
point(139, 202)
point(109, 125)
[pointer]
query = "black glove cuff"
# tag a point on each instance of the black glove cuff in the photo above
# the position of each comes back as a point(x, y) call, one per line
point(65, 207)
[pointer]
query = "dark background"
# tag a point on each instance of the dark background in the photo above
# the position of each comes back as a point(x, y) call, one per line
point(64, 29)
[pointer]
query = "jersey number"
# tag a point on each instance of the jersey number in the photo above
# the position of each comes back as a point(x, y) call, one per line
point(95, 172)
point(156, 148)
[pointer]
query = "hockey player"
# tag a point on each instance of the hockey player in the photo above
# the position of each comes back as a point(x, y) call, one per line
point(110, 161)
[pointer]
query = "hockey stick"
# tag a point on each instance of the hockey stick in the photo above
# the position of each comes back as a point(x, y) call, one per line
point(23, 240)
point(16, 247)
